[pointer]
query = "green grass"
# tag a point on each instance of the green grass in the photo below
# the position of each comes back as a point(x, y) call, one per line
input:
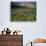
point(23, 14)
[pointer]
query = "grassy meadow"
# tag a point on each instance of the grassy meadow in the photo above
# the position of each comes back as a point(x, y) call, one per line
point(23, 13)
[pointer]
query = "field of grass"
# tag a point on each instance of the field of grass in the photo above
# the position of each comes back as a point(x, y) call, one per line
point(23, 14)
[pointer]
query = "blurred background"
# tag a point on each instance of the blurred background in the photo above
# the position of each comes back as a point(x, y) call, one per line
point(30, 30)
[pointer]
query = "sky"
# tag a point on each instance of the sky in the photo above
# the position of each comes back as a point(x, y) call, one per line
point(30, 30)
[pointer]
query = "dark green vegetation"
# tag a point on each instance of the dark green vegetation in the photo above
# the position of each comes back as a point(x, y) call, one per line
point(22, 13)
